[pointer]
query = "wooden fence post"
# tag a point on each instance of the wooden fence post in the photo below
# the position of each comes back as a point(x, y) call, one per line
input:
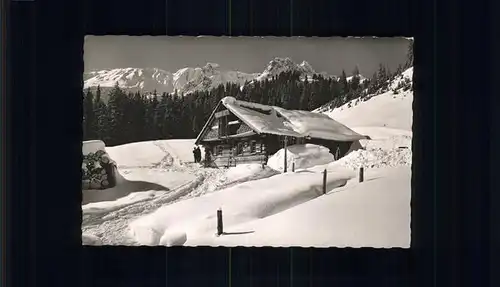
point(220, 229)
point(324, 181)
point(285, 155)
point(361, 174)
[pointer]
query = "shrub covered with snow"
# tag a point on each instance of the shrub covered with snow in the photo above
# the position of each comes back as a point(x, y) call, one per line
point(304, 156)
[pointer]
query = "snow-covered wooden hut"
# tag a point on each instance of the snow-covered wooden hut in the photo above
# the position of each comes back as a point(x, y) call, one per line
point(243, 132)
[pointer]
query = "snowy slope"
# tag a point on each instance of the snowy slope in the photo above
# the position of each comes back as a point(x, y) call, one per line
point(189, 79)
point(388, 110)
point(242, 203)
point(387, 120)
point(367, 214)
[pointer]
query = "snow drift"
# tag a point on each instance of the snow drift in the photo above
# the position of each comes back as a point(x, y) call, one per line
point(304, 156)
point(375, 213)
point(136, 155)
point(241, 203)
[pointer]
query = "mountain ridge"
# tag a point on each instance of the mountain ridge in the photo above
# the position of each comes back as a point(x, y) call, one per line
point(188, 79)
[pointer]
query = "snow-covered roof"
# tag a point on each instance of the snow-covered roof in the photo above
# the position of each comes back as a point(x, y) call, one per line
point(266, 122)
point(275, 120)
point(319, 126)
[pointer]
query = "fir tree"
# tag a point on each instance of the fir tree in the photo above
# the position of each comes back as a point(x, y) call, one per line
point(98, 94)
point(90, 126)
point(355, 81)
point(344, 84)
point(355, 72)
point(116, 113)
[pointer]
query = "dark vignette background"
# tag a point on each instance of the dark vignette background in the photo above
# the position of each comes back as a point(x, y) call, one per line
point(451, 187)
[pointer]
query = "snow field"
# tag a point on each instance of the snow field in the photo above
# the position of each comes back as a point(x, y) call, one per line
point(385, 110)
point(375, 213)
point(169, 179)
point(136, 155)
point(241, 203)
point(182, 149)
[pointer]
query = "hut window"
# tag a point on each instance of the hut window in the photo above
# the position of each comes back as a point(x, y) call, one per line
point(252, 146)
point(239, 149)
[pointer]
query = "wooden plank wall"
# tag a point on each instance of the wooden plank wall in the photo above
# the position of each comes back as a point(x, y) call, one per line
point(228, 157)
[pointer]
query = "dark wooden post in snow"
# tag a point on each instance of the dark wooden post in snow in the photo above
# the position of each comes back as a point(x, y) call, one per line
point(324, 181)
point(361, 174)
point(284, 170)
point(293, 167)
point(220, 229)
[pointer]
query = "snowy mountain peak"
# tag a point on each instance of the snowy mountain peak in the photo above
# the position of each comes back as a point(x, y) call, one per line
point(133, 79)
point(279, 65)
point(306, 68)
point(210, 68)
point(189, 79)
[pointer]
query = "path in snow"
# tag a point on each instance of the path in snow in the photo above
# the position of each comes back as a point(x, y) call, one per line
point(110, 224)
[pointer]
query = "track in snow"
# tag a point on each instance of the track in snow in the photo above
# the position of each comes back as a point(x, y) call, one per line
point(111, 226)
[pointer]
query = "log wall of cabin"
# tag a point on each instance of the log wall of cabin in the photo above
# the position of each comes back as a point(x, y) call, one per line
point(230, 152)
point(233, 151)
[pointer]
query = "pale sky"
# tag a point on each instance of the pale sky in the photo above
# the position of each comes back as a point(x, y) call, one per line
point(246, 54)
